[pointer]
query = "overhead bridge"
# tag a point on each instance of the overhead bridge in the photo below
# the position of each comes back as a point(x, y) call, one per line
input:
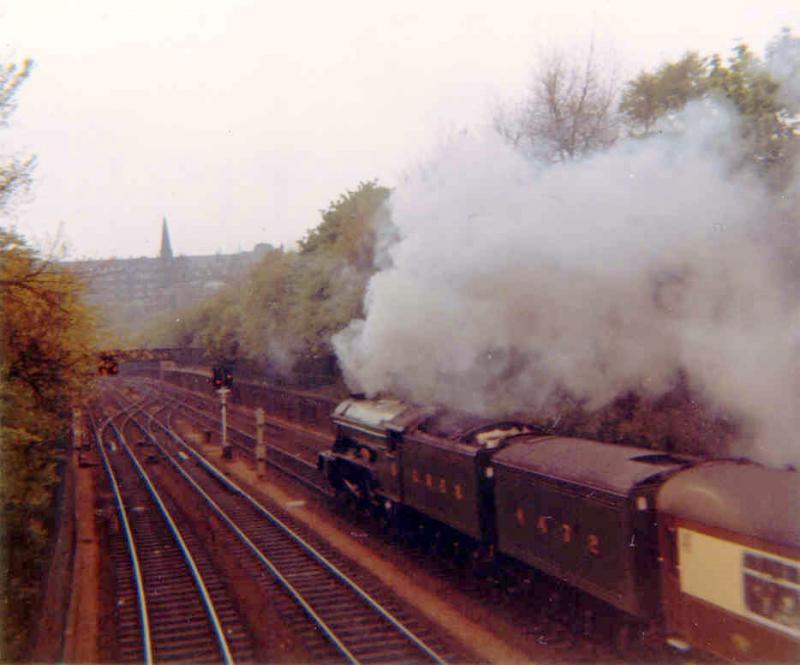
point(109, 360)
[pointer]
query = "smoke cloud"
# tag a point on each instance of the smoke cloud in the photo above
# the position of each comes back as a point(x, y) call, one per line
point(509, 284)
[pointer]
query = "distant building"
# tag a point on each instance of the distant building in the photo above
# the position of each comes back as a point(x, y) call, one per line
point(135, 291)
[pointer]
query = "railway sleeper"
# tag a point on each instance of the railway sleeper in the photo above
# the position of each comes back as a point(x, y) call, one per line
point(183, 654)
point(127, 607)
point(307, 571)
point(129, 639)
point(216, 587)
point(197, 639)
point(169, 624)
point(350, 613)
point(131, 655)
point(332, 609)
point(182, 619)
point(175, 633)
point(163, 559)
point(178, 595)
point(381, 651)
point(164, 604)
point(345, 606)
point(379, 641)
point(282, 555)
point(328, 596)
point(289, 559)
point(225, 609)
point(170, 615)
point(361, 630)
point(177, 583)
point(129, 628)
point(329, 603)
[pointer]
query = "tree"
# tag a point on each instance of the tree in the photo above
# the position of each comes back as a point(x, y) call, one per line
point(46, 363)
point(652, 94)
point(46, 360)
point(335, 262)
point(15, 173)
point(569, 110)
point(267, 307)
point(293, 301)
point(766, 95)
point(746, 82)
point(783, 62)
point(348, 226)
point(298, 301)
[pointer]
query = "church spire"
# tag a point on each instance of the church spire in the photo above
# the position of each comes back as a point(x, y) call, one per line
point(166, 246)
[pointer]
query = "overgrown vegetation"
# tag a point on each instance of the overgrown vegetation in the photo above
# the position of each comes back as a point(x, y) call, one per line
point(46, 365)
point(769, 120)
point(45, 368)
point(293, 301)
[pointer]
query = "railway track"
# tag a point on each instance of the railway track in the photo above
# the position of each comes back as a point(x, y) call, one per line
point(554, 618)
point(357, 625)
point(171, 604)
point(195, 408)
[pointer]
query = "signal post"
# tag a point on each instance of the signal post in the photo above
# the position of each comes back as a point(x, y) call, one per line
point(222, 380)
point(227, 449)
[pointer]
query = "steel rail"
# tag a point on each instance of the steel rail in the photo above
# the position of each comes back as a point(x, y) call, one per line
point(195, 414)
point(192, 406)
point(327, 630)
point(233, 487)
point(183, 547)
point(147, 643)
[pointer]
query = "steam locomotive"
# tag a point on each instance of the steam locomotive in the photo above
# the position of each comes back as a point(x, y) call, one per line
point(705, 551)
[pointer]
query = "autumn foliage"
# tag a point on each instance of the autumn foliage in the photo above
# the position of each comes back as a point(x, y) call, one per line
point(45, 368)
point(46, 363)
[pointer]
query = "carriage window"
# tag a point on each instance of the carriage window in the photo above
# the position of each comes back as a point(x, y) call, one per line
point(771, 590)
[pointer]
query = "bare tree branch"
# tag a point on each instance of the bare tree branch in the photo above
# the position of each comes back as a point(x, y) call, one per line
point(569, 110)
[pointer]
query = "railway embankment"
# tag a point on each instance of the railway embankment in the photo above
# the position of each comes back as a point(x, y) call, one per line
point(47, 641)
point(67, 626)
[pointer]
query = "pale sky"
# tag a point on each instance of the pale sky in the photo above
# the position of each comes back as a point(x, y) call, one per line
point(239, 120)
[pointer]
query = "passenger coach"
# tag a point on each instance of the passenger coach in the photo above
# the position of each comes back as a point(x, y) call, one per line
point(730, 537)
point(584, 512)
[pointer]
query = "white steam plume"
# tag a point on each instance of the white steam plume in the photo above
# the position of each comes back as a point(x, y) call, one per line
point(510, 283)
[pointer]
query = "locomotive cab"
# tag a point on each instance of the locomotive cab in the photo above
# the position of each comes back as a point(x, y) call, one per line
point(366, 456)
